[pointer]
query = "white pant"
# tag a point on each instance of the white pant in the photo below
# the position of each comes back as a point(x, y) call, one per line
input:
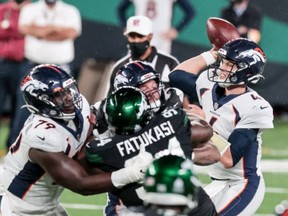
point(7, 210)
point(245, 203)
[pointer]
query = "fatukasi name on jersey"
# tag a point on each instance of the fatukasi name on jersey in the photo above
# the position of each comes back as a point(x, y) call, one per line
point(165, 130)
point(168, 131)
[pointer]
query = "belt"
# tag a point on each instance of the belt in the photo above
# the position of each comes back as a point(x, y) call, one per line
point(216, 179)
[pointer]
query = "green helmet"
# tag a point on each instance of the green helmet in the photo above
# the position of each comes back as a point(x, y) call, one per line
point(170, 181)
point(127, 110)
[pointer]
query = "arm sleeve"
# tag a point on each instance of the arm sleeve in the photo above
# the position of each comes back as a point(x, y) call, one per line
point(241, 141)
point(184, 81)
point(121, 11)
point(189, 14)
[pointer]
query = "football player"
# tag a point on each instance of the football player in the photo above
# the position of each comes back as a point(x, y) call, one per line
point(237, 113)
point(136, 124)
point(42, 161)
point(171, 188)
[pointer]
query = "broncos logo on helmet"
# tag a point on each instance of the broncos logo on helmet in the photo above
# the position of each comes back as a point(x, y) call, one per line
point(51, 92)
point(248, 58)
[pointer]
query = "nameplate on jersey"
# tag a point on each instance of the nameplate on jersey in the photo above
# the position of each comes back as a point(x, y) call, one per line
point(146, 138)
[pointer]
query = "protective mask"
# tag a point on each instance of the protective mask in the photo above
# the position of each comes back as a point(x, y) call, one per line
point(19, 1)
point(49, 2)
point(138, 49)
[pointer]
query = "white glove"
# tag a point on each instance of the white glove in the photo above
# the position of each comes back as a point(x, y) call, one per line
point(134, 170)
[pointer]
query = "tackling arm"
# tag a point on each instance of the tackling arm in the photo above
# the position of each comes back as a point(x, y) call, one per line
point(68, 173)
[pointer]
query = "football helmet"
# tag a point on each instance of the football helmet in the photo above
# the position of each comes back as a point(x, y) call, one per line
point(51, 92)
point(137, 73)
point(127, 110)
point(246, 55)
point(170, 181)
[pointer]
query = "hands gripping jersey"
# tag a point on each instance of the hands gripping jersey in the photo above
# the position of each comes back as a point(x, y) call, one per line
point(248, 110)
point(27, 183)
point(169, 130)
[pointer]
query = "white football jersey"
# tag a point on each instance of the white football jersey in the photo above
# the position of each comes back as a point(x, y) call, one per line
point(27, 185)
point(248, 110)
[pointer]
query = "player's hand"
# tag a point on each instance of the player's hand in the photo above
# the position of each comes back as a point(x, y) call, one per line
point(140, 163)
point(134, 170)
point(196, 115)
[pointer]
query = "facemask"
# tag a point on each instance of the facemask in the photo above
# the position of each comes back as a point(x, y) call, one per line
point(50, 1)
point(138, 49)
point(19, 1)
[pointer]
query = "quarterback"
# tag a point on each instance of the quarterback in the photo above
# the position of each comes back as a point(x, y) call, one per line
point(237, 114)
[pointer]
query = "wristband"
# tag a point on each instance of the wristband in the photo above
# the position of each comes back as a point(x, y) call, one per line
point(208, 58)
point(221, 143)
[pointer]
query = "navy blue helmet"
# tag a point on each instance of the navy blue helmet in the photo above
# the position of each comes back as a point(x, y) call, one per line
point(249, 58)
point(51, 92)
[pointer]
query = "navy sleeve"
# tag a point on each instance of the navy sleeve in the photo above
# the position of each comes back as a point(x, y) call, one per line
point(184, 81)
point(242, 142)
point(189, 14)
point(121, 11)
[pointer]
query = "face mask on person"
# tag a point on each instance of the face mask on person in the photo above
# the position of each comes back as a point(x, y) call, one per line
point(19, 1)
point(50, 2)
point(138, 49)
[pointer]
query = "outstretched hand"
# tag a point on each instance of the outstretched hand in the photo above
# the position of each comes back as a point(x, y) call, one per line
point(195, 114)
point(134, 171)
point(140, 163)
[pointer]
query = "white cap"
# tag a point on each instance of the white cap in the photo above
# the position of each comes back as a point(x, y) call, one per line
point(139, 24)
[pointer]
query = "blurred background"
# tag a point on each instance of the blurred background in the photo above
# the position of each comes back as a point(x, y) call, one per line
point(102, 38)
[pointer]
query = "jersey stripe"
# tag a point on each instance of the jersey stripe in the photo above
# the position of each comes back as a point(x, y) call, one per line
point(22, 182)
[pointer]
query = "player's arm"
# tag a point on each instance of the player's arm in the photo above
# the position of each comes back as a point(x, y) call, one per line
point(196, 64)
point(241, 140)
point(185, 75)
point(70, 174)
point(205, 154)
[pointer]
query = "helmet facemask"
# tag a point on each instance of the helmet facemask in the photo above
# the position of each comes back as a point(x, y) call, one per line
point(153, 89)
point(66, 101)
point(224, 78)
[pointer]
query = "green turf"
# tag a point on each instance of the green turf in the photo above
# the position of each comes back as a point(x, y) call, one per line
point(274, 147)
point(272, 198)
point(275, 141)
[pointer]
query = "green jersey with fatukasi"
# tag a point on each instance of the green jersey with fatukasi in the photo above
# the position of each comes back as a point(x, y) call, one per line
point(168, 130)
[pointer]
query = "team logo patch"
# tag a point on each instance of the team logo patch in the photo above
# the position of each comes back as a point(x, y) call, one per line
point(32, 86)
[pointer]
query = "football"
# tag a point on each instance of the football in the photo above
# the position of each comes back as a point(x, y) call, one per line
point(220, 31)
